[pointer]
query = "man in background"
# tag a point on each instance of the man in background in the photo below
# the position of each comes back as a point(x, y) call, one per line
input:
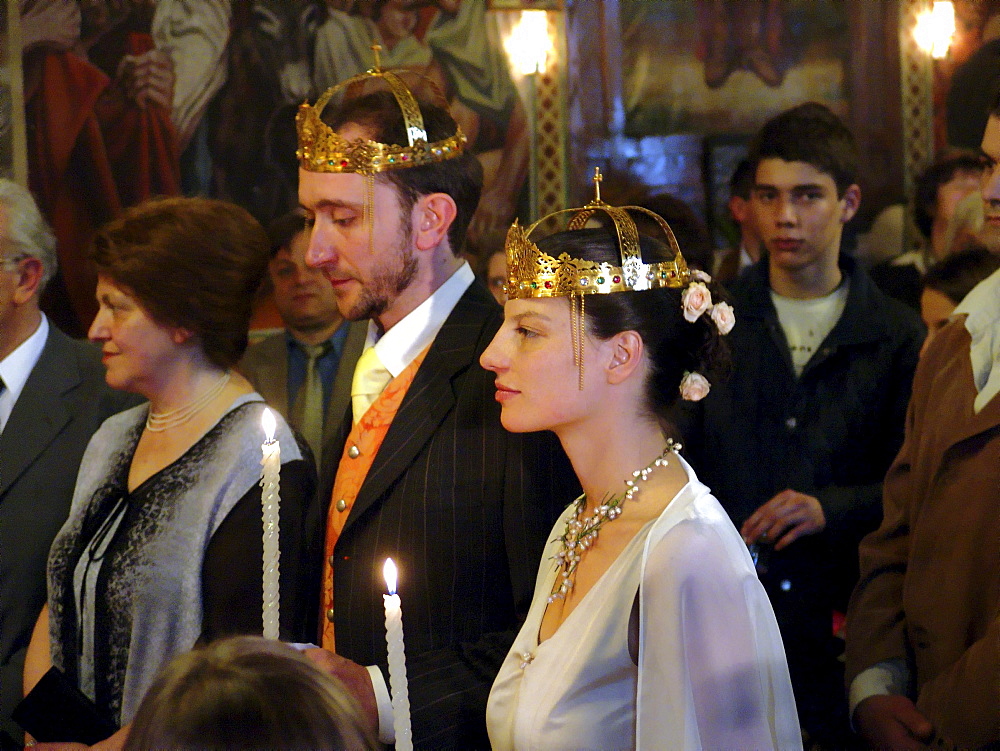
point(52, 400)
point(923, 636)
point(305, 371)
point(735, 261)
point(813, 413)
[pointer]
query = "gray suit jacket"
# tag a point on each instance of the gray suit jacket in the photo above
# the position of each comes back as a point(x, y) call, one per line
point(64, 401)
point(265, 365)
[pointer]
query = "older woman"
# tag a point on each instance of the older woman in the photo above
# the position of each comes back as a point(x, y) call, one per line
point(648, 628)
point(163, 545)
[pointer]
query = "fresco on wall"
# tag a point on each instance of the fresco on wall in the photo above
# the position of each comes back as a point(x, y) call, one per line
point(128, 99)
point(6, 99)
point(725, 66)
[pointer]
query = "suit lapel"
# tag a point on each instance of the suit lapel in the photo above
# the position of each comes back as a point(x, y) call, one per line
point(429, 399)
point(40, 413)
point(272, 373)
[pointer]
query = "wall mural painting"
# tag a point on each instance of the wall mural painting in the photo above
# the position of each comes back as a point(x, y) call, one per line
point(128, 99)
point(725, 66)
point(700, 76)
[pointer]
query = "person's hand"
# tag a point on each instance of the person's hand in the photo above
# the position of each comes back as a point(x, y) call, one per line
point(148, 78)
point(784, 519)
point(355, 678)
point(892, 722)
point(60, 747)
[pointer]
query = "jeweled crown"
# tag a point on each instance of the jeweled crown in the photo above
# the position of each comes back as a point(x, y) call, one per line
point(533, 273)
point(321, 149)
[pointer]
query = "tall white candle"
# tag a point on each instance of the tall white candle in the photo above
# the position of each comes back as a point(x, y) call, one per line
point(270, 503)
point(397, 660)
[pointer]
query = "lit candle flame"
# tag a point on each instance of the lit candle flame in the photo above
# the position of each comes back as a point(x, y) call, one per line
point(389, 572)
point(268, 422)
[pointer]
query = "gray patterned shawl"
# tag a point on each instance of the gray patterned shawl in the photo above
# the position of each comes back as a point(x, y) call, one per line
point(153, 602)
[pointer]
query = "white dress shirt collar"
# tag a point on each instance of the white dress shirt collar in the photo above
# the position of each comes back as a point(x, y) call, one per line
point(17, 366)
point(982, 321)
point(400, 345)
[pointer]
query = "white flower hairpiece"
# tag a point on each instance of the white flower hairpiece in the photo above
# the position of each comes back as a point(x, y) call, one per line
point(697, 300)
point(694, 386)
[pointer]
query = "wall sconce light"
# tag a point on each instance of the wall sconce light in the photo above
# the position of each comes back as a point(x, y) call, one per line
point(528, 46)
point(935, 28)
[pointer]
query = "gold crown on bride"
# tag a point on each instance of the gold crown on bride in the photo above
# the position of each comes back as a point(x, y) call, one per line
point(533, 273)
point(321, 149)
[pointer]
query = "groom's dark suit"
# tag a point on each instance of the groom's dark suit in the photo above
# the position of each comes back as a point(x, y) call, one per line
point(464, 508)
point(63, 403)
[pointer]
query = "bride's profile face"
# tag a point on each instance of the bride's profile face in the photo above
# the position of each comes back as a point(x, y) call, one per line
point(532, 356)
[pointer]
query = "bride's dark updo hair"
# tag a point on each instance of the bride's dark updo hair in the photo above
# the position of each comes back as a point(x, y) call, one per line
point(674, 345)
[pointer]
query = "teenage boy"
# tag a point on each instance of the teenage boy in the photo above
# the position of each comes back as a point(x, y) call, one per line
point(796, 444)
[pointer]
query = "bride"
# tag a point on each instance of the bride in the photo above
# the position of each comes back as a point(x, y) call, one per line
point(648, 627)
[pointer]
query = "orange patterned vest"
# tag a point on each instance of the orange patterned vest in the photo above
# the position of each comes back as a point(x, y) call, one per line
point(360, 449)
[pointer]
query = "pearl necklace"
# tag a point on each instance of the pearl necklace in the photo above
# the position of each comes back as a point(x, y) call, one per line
point(157, 422)
point(581, 534)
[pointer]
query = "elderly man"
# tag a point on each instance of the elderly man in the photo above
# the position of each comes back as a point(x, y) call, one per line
point(923, 630)
point(52, 399)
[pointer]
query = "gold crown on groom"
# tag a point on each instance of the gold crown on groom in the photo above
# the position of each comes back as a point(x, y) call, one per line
point(533, 273)
point(321, 149)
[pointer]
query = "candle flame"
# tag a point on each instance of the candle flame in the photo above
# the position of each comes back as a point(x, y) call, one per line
point(268, 422)
point(389, 572)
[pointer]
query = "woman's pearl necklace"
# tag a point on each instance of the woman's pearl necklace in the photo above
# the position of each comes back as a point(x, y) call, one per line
point(157, 422)
point(581, 534)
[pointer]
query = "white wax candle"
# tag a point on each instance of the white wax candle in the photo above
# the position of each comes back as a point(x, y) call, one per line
point(270, 503)
point(397, 661)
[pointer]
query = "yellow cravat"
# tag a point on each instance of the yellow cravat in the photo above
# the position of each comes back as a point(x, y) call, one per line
point(370, 377)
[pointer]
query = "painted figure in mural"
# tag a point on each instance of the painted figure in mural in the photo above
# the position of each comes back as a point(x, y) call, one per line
point(115, 93)
point(741, 34)
point(456, 45)
point(253, 141)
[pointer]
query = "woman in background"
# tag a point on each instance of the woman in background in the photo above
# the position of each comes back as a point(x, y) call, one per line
point(648, 628)
point(163, 544)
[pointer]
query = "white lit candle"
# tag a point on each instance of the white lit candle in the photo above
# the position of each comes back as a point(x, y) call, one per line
point(270, 504)
point(397, 660)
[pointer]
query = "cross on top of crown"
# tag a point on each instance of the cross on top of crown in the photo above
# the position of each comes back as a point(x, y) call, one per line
point(597, 178)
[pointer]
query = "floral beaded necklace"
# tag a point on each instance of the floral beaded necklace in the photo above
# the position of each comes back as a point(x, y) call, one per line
point(581, 533)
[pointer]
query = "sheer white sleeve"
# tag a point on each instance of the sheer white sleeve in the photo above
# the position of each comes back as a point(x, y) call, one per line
point(712, 670)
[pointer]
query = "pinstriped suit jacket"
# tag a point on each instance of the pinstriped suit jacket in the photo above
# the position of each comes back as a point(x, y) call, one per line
point(464, 508)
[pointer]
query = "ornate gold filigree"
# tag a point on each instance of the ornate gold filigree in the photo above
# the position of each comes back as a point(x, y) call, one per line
point(533, 273)
point(322, 150)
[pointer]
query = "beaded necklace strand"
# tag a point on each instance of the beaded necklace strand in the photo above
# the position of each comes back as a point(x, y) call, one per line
point(581, 534)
